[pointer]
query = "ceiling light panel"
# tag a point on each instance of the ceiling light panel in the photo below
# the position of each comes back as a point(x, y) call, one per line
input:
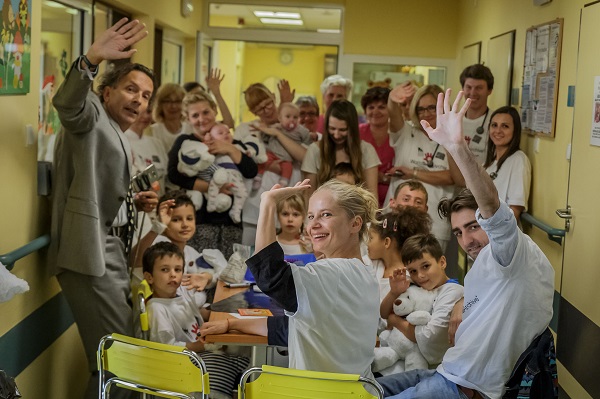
point(279, 21)
point(277, 14)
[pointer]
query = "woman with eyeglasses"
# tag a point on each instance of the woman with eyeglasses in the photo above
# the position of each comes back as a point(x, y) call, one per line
point(167, 113)
point(376, 133)
point(341, 143)
point(309, 115)
point(506, 164)
point(420, 158)
point(261, 102)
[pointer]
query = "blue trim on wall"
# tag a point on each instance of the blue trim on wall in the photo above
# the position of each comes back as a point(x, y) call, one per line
point(21, 345)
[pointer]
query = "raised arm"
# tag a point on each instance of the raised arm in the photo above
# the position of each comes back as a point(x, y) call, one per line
point(449, 133)
point(457, 177)
point(76, 114)
point(286, 94)
point(213, 82)
point(398, 102)
point(265, 230)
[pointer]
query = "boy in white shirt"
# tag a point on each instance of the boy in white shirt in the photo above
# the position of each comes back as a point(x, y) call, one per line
point(175, 319)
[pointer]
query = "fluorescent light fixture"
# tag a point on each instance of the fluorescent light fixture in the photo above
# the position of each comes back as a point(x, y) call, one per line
point(53, 4)
point(279, 21)
point(277, 14)
point(72, 11)
point(328, 30)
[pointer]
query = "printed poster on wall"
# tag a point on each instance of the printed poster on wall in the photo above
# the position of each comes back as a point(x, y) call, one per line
point(15, 47)
point(595, 137)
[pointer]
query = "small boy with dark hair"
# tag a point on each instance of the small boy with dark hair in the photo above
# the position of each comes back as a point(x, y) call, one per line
point(425, 262)
point(343, 171)
point(175, 317)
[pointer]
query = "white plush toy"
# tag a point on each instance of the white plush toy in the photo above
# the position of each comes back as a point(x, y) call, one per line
point(194, 161)
point(416, 304)
point(194, 158)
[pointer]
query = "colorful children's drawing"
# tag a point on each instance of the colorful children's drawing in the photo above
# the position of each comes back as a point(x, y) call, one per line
point(15, 47)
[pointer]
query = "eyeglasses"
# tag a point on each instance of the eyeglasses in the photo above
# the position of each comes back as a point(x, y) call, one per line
point(308, 114)
point(260, 110)
point(431, 109)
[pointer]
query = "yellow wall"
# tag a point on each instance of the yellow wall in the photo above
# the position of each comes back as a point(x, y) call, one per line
point(408, 28)
point(305, 72)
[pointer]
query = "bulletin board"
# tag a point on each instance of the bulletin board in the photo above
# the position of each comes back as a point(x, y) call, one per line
point(541, 70)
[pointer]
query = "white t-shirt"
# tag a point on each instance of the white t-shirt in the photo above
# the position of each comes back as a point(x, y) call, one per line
point(477, 141)
point(414, 149)
point(160, 132)
point(335, 326)
point(176, 321)
point(291, 249)
point(432, 338)
point(505, 307)
point(513, 180)
point(312, 159)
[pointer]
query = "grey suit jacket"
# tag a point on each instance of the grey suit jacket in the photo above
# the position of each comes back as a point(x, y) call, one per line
point(90, 178)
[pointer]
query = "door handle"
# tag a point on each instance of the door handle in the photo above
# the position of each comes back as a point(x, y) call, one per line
point(564, 213)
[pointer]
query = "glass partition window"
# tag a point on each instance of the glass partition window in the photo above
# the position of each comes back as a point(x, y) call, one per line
point(254, 16)
point(61, 37)
point(366, 75)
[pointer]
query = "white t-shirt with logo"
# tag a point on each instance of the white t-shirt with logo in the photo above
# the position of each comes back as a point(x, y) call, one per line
point(477, 141)
point(505, 307)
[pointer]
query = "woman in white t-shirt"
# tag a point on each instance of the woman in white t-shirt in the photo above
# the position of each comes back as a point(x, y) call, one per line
point(506, 164)
point(341, 143)
point(331, 303)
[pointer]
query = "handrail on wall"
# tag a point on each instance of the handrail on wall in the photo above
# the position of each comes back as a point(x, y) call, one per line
point(555, 235)
point(10, 258)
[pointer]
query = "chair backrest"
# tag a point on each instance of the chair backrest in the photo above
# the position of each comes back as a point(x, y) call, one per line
point(535, 375)
point(143, 293)
point(277, 382)
point(150, 367)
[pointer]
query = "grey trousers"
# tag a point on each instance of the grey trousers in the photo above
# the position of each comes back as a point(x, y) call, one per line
point(100, 305)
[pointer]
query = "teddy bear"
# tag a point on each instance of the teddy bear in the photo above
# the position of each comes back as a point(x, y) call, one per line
point(386, 83)
point(416, 304)
point(196, 161)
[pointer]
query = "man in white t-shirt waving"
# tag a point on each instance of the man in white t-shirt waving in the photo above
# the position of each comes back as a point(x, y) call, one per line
point(508, 292)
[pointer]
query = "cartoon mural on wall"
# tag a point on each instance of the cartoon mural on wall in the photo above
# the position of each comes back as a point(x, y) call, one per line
point(15, 47)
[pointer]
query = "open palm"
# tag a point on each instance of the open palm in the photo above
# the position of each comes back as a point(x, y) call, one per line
point(449, 130)
point(111, 43)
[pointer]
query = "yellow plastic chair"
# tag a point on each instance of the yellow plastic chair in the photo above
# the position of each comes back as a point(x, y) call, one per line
point(143, 293)
point(157, 369)
point(278, 382)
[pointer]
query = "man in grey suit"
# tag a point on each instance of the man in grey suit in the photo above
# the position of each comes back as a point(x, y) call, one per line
point(91, 183)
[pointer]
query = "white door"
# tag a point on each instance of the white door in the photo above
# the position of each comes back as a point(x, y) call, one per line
point(579, 315)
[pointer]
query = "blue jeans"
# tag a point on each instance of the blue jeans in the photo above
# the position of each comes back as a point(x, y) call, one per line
point(419, 384)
